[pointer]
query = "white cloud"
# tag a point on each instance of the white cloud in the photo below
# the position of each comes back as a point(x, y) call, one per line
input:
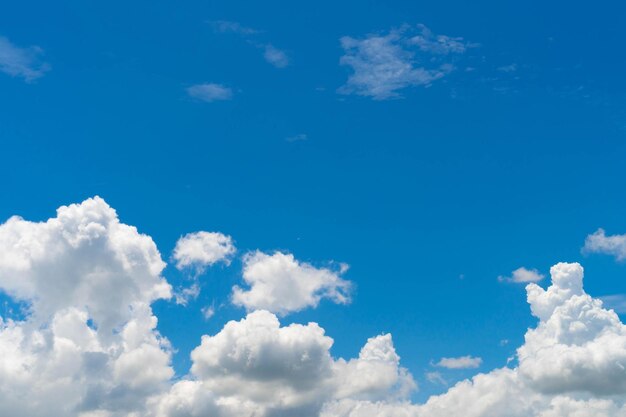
point(275, 56)
point(578, 345)
point(90, 254)
point(21, 62)
point(523, 275)
point(255, 367)
point(210, 92)
point(599, 242)
point(198, 251)
point(463, 362)
point(570, 365)
point(201, 249)
point(281, 284)
point(89, 343)
point(208, 312)
point(89, 347)
point(383, 65)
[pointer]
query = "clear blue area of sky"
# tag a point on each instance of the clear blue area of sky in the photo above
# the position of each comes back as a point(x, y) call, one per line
point(429, 197)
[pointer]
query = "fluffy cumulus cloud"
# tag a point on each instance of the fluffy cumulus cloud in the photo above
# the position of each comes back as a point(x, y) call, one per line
point(571, 364)
point(88, 340)
point(21, 62)
point(255, 367)
point(197, 251)
point(87, 344)
point(523, 276)
point(384, 64)
point(201, 249)
point(599, 242)
point(281, 284)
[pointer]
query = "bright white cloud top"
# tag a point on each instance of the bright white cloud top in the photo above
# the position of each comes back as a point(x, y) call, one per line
point(201, 249)
point(81, 352)
point(82, 265)
point(281, 284)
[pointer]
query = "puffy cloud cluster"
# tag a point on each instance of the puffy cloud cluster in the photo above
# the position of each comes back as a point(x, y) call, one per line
point(255, 367)
point(202, 249)
point(81, 258)
point(88, 344)
point(281, 284)
point(571, 364)
point(88, 341)
point(578, 345)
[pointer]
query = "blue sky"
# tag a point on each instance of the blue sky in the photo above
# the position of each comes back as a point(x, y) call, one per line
point(432, 147)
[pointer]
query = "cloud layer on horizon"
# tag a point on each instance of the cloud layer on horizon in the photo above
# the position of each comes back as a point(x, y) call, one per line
point(79, 352)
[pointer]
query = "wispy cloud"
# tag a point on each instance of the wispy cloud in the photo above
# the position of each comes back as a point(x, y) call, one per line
point(208, 312)
point(523, 275)
point(436, 378)
point(599, 242)
point(427, 41)
point(297, 138)
point(273, 55)
point(21, 62)
point(508, 68)
point(384, 64)
point(210, 92)
point(268, 276)
point(463, 362)
point(226, 26)
point(201, 249)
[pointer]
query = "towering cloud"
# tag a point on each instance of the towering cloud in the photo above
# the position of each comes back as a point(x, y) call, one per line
point(88, 341)
point(570, 365)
